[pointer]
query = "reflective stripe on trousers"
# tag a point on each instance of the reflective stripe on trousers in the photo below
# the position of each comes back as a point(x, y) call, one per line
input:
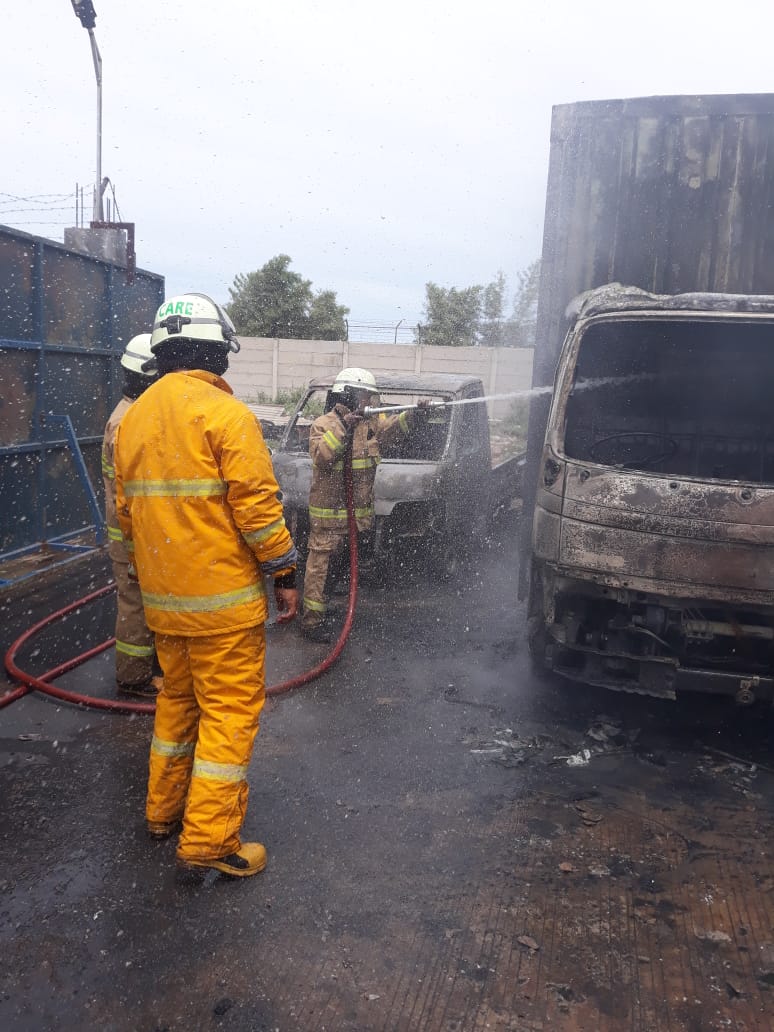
point(207, 718)
point(323, 545)
point(134, 642)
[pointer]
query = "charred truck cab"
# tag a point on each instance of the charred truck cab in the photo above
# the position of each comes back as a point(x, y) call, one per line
point(653, 530)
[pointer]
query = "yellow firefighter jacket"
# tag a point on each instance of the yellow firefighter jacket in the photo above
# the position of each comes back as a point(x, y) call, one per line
point(116, 545)
point(199, 506)
point(327, 446)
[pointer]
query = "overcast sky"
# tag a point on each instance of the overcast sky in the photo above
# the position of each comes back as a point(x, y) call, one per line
point(379, 145)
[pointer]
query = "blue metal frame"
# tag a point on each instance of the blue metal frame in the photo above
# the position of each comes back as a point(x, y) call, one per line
point(59, 304)
point(83, 473)
point(43, 420)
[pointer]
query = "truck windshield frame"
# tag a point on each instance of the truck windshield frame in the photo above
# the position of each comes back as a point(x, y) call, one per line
point(672, 395)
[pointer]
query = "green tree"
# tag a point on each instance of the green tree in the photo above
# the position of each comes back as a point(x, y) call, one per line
point(326, 317)
point(492, 328)
point(276, 302)
point(452, 316)
point(520, 328)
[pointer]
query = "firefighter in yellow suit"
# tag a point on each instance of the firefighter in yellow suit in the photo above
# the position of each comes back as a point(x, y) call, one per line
point(200, 507)
point(340, 429)
point(135, 652)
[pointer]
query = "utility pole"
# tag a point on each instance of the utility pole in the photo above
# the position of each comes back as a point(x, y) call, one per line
point(87, 16)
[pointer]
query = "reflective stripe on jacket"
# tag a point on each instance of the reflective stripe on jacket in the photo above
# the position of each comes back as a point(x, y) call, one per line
point(198, 503)
point(116, 545)
point(327, 447)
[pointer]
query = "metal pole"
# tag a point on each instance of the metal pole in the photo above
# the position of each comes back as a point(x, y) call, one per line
point(98, 212)
point(396, 332)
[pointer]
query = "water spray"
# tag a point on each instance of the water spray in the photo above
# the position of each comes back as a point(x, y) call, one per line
point(532, 392)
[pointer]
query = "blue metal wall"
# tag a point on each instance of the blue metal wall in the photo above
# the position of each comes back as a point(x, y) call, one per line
point(64, 321)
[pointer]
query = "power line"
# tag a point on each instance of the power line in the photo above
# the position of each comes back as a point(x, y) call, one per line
point(34, 197)
point(40, 211)
point(39, 222)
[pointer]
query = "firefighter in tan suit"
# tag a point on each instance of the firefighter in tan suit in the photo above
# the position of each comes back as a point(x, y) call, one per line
point(330, 437)
point(135, 652)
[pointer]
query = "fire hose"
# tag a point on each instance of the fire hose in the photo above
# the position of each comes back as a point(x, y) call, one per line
point(43, 683)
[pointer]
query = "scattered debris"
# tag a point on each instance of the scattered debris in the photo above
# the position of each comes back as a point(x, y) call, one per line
point(566, 867)
point(740, 775)
point(605, 730)
point(738, 759)
point(579, 759)
point(587, 815)
point(609, 736)
point(529, 942)
point(507, 749)
point(711, 935)
point(563, 991)
point(600, 871)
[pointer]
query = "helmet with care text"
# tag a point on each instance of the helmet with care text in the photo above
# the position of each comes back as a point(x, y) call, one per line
point(193, 317)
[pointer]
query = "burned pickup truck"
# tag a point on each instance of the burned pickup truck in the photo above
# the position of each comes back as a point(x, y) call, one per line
point(653, 533)
point(435, 494)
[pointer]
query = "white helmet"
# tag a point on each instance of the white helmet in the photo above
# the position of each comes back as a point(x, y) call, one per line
point(360, 379)
point(193, 317)
point(138, 354)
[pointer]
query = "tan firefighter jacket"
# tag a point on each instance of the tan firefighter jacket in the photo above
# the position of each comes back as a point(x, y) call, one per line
point(117, 549)
point(327, 446)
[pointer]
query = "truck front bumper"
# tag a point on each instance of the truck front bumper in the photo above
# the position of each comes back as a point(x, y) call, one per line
point(658, 678)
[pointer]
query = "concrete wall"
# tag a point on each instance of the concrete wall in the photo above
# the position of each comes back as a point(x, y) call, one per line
point(266, 366)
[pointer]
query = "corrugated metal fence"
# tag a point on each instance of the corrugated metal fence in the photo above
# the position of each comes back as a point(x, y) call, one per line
point(64, 321)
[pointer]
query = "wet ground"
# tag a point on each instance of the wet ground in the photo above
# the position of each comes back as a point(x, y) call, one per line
point(434, 861)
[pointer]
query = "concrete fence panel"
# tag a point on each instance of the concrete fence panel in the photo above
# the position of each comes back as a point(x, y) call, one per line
point(265, 367)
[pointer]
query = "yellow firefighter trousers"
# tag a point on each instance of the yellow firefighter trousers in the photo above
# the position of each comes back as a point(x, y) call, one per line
point(134, 642)
point(207, 717)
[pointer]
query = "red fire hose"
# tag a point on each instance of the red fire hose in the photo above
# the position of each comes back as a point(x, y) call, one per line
point(41, 684)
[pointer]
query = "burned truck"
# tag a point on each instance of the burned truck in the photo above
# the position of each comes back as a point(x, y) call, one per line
point(653, 533)
point(648, 511)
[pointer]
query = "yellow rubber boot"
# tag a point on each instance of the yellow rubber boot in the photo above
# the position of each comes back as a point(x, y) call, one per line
point(249, 859)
